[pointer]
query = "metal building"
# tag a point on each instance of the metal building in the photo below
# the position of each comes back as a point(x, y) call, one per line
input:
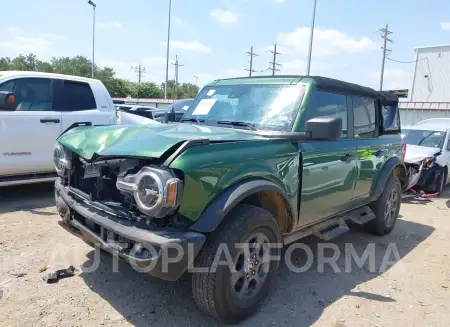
point(431, 76)
point(429, 93)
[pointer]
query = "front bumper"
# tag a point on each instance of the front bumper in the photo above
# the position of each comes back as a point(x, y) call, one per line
point(164, 253)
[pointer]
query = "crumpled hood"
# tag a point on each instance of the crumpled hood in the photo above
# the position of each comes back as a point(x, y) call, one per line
point(145, 141)
point(417, 153)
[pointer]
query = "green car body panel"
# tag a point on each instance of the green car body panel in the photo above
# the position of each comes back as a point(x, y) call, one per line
point(317, 182)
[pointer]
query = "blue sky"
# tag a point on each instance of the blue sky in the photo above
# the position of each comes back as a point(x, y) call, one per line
point(211, 38)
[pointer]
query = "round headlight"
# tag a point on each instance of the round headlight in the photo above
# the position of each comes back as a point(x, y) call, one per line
point(149, 193)
point(59, 157)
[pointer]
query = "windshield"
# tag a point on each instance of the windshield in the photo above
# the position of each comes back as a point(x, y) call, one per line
point(266, 107)
point(432, 139)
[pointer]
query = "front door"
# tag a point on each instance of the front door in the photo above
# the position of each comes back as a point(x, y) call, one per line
point(328, 167)
point(329, 170)
point(29, 133)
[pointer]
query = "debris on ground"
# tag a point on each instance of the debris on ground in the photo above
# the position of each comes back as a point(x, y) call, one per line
point(43, 268)
point(52, 276)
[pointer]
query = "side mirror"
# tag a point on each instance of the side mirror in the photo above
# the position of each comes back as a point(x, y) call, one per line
point(324, 128)
point(7, 101)
point(169, 116)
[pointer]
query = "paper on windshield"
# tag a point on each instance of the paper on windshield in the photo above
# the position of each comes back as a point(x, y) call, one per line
point(204, 106)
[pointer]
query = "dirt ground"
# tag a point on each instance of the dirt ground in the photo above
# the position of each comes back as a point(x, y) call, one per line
point(412, 292)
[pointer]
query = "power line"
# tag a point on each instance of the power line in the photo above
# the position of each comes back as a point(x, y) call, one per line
point(274, 64)
point(406, 62)
point(251, 54)
point(385, 32)
point(177, 66)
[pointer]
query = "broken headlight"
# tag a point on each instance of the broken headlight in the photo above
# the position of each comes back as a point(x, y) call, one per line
point(61, 160)
point(157, 192)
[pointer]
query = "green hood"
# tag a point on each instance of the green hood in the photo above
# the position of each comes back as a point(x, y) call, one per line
point(150, 141)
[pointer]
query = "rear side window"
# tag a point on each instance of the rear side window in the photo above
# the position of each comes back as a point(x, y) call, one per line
point(364, 117)
point(77, 96)
point(328, 104)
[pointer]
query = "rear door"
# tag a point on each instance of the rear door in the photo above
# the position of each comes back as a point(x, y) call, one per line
point(77, 104)
point(371, 150)
point(28, 134)
point(328, 173)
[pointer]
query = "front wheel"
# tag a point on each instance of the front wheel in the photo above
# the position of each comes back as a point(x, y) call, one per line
point(233, 290)
point(386, 208)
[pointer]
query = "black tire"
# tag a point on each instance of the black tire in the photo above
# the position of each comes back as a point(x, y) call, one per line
point(386, 208)
point(214, 292)
point(441, 181)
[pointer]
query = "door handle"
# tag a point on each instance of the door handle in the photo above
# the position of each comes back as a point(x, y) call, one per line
point(348, 158)
point(50, 120)
point(380, 153)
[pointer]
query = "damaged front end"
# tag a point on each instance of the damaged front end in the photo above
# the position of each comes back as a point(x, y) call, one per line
point(127, 206)
point(424, 173)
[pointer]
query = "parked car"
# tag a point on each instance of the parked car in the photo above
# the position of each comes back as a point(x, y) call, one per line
point(42, 107)
point(428, 154)
point(140, 110)
point(256, 161)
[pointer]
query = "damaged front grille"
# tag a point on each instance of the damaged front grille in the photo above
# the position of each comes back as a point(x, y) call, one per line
point(96, 182)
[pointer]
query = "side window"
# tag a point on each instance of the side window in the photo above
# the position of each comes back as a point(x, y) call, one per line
point(364, 117)
point(328, 104)
point(32, 94)
point(77, 96)
point(7, 86)
point(448, 141)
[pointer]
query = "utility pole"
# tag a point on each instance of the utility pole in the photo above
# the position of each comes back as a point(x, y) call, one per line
point(274, 64)
point(167, 52)
point(251, 54)
point(385, 32)
point(196, 80)
point(311, 37)
point(177, 65)
point(139, 70)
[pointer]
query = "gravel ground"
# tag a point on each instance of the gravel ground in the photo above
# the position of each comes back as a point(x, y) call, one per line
point(412, 292)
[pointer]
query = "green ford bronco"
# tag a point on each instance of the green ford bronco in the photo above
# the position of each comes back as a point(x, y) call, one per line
point(255, 163)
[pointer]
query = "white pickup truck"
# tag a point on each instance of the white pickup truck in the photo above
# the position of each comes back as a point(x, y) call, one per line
point(43, 106)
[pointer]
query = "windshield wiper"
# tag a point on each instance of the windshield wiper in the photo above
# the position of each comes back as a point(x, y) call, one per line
point(237, 123)
point(193, 119)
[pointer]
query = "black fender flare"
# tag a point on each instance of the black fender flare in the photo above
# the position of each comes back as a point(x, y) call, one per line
point(383, 176)
point(214, 214)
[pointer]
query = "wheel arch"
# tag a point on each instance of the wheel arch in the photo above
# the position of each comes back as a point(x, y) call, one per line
point(391, 166)
point(258, 192)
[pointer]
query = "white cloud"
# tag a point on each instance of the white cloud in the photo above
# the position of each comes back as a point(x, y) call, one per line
point(52, 36)
point(177, 20)
point(327, 42)
point(445, 25)
point(13, 29)
point(22, 44)
point(193, 46)
point(393, 79)
point(279, 1)
point(225, 16)
point(113, 24)
point(294, 67)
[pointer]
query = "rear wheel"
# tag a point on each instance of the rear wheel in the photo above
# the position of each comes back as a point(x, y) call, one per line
point(441, 181)
point(386, 208)
point(234, 291)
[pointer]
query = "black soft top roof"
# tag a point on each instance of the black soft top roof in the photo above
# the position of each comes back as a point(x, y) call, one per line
point(334, 85)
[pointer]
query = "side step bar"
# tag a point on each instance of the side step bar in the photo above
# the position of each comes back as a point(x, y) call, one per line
point(332, 227)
